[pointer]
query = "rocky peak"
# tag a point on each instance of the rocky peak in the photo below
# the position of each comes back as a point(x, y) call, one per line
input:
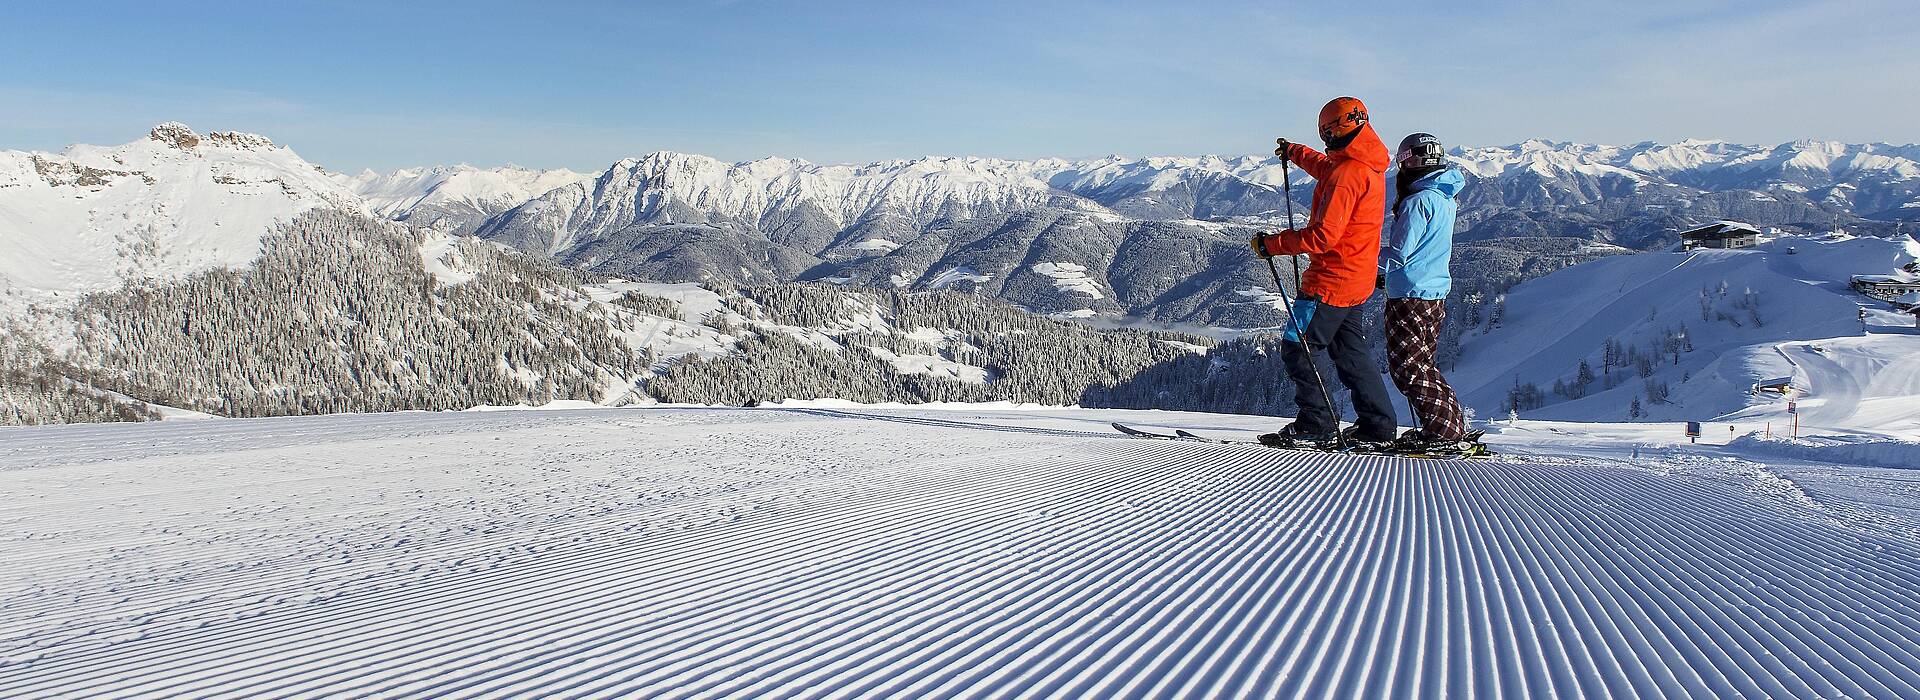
point(175, 134)
point(239, 139)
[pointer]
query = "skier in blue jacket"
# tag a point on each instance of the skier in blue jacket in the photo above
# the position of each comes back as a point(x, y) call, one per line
point(1413, 268)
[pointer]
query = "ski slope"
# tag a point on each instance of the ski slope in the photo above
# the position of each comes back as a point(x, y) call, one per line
point(817, 552)
point(1855, 362)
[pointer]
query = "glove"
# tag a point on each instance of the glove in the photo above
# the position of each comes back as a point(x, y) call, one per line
point(1259, 243)
point(1380, 281)
point(1282, 150)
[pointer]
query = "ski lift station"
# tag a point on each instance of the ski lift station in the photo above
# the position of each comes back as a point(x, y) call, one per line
point(1720, 234)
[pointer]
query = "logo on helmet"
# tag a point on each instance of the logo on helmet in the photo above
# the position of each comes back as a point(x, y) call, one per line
point(1420, 150)
point(1341, 116)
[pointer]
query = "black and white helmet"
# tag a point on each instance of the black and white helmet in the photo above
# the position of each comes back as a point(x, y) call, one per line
point(1420, 151)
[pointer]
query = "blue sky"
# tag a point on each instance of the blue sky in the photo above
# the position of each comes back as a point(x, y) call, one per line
point(353, 84)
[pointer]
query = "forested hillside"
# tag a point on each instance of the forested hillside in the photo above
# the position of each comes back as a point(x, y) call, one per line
point(340, 313)
point(345, 313)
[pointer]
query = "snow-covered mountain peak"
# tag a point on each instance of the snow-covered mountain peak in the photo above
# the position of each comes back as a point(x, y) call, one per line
point(1688, 154)
point(163, 206)
point(653, 187)
point(1542, 158)
point(456, 193)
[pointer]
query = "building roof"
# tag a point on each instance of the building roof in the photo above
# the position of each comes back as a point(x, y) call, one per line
point(1721, 229)
point(1882, 279)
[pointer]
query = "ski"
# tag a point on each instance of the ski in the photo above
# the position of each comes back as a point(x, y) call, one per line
point(1202, 438)
point(1469, 448)
point(1136, 432)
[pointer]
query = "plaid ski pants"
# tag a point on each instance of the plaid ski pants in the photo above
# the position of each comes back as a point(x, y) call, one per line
point(1413, 331)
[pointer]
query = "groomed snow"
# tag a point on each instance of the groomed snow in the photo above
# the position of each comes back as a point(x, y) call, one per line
point(818, 552)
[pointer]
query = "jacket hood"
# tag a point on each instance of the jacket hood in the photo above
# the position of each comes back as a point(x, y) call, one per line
point(1447, 181)
point(1367, 149)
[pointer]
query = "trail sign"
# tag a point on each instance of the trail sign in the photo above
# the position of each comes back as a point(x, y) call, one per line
point(1693, 430)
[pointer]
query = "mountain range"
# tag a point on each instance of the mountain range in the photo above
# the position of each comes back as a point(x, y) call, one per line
point(278, 284)
point(1159, 239)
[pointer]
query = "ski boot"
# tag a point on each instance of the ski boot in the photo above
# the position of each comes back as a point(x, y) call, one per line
point(1292, 437)
point(1415, 442)
point(1359, 442)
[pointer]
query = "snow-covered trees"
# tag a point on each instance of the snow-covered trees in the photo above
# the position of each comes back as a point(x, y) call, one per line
point(38, 389)
point(1025, 358)
point(340, 314)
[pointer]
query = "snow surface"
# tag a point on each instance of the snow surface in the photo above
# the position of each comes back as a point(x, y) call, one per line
point(1864, 378)
point(670, 339)
point(876, 245)
point(1069, 277)
point(931, 365)
point(821, 552)
point(443, 259)
point(953, 275)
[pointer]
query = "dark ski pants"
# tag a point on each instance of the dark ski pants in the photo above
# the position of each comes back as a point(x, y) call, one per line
point(1337, 330)
point(1413, 331)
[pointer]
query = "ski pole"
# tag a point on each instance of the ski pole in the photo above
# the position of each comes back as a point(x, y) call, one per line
point(1293, 321)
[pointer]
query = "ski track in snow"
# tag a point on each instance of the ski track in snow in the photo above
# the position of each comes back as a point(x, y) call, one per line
point(859, 553)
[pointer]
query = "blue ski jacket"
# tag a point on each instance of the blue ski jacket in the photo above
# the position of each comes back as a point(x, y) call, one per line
point(1420, 242)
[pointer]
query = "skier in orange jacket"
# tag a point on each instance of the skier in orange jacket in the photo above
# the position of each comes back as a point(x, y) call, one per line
point(1342, 242)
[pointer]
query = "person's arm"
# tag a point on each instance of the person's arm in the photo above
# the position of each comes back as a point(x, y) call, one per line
point(1316, 164)
point(1321, 233)
point(1411, 222)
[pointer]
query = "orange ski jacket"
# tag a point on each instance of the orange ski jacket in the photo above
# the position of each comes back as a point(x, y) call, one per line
point(1342, 238)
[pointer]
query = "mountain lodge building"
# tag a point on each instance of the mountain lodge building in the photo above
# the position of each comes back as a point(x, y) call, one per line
point(1720, 234)
point(1885, 287)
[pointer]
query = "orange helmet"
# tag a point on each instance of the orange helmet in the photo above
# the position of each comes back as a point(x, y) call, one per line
point(1340, 117)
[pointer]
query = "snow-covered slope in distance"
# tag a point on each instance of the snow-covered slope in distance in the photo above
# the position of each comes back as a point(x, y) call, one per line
point(456, 196)
point(173, 203)
point(1712, 323)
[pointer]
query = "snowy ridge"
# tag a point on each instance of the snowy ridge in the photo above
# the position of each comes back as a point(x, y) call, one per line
point(165, 206)
point(959, 187)
point(1542, 158)
point(1047, 561)
point(490, 190)
point(1831, 160)
point(660, 186)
